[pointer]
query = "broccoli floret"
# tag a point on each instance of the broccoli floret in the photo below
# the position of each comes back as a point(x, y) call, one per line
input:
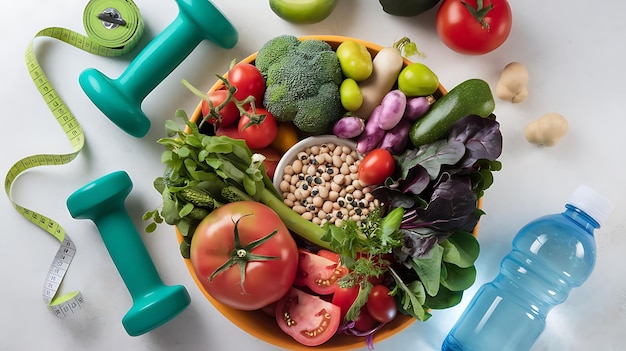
point(302, 79)
point(274, 49)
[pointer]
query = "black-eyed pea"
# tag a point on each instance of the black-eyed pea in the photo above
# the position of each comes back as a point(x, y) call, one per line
point(307, 215)
point(284, 186)
point(358, 194)
point(298, 194)
point(318, 201)
point(296, 166)
point(350, 159)
point(337, 162)
point(288, 203)
point(322, 214)
point(323, 191)
point(333, 195)
point(327, 206)
point(338, 179)
point(293, 180)
point(299, 209)
point(316, 220)
point(344, 169)
point(319, 158)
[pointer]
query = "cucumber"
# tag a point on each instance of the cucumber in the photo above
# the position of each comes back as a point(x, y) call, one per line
point(471, 97)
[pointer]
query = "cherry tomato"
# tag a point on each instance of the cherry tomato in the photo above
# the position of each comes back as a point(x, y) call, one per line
point(344, 298)
point(307, 318)
point(229, 113)
point(258, 132)
point(217, 260)
point(249, 82)
point(318, 273)
point(417, 79)
point(376, 166)
point(364, 321)
point(381, 305)
point(468, 28)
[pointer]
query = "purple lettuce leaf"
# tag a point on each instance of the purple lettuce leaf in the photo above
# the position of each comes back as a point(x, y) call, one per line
point(481, 136)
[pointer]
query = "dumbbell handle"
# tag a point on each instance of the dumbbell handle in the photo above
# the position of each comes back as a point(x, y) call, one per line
point(128, 252)
point(160, 57)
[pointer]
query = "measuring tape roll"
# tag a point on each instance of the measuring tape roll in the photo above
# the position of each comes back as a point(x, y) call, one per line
point(113, 28)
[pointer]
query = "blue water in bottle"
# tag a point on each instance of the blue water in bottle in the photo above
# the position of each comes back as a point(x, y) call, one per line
point(550, 256)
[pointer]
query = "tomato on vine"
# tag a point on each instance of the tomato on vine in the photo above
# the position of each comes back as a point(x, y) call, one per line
point(258, 128)
point(248, 81)
point(474, 27)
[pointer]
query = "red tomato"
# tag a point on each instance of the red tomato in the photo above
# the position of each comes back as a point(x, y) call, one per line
point(364, 321)
point(333, 256)
point(318, 273)
point(229, 113)
point(249, 82)
point(308, 319)
point(214, 245)
point(272, 157)
point(381, 305)
point(229, 131)
point(376, 166)
point(461, 27)
point(344, 298)
point(258, 133)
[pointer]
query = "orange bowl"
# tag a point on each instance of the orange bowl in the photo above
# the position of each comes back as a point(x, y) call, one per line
point(264, 327)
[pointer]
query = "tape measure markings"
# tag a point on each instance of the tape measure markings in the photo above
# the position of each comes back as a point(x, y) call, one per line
point(115, 41)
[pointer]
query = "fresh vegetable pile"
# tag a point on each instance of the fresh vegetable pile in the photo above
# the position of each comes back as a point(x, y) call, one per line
point(427, 158)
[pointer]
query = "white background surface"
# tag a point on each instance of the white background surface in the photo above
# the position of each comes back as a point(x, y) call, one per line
point(574, 51)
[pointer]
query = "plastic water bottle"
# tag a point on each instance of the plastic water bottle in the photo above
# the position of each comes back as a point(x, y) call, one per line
point(550, 255)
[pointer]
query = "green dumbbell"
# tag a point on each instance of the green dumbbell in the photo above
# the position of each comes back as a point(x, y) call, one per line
point(120, 100)
point(154, 303)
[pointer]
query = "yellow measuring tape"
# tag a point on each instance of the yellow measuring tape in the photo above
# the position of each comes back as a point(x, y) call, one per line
point(113, 28)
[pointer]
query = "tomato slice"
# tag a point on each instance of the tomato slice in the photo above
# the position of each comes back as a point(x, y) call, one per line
point(307, 318)
point(318, 273)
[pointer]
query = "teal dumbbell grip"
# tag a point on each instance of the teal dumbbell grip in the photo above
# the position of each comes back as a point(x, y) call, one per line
point(120, 100)
point(154, 303)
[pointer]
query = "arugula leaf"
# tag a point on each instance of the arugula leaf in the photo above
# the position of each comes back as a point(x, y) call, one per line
point(412, 296)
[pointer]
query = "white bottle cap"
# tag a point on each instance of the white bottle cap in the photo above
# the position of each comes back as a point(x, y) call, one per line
point(591, 202)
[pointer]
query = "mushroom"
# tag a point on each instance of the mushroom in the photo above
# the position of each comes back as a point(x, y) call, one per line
point(513, 83)
point(547, 130)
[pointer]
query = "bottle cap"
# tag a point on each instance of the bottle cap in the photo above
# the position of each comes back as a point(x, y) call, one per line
point(596, 205)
